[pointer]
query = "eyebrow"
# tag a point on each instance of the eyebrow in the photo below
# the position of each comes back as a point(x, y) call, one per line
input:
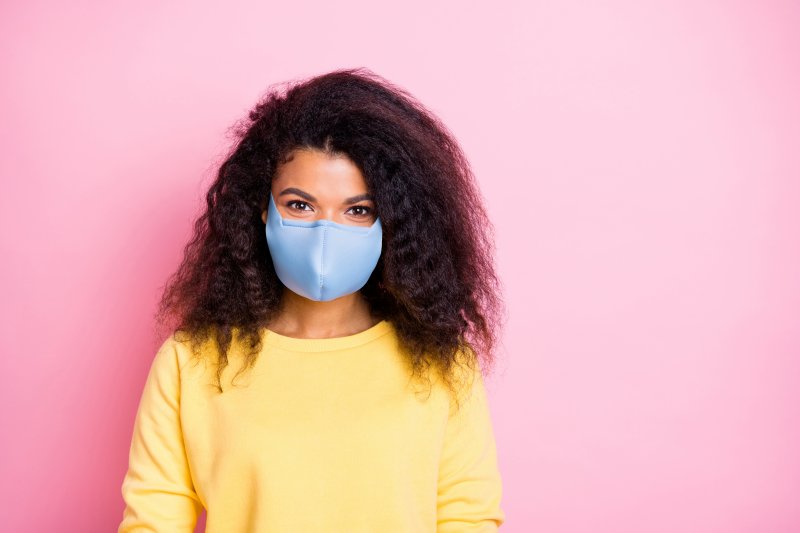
point(303, 194)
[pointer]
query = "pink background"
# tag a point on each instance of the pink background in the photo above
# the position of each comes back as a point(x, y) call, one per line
point(640, 161)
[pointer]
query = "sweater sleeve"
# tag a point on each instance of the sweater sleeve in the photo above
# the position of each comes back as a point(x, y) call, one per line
point(157, 488)
point(470, 486)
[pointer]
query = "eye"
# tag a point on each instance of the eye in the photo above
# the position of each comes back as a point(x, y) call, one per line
point(365, 210)
point(292, 202)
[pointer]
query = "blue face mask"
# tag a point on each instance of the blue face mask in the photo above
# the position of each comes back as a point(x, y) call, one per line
point(321, 259)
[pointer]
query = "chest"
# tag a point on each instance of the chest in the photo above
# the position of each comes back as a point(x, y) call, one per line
point(312, 419)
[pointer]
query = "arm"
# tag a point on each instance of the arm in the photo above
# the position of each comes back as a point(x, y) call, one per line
point(470, 486)
point(157, 488)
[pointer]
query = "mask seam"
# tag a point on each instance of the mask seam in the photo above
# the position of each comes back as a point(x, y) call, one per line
point(322, 260)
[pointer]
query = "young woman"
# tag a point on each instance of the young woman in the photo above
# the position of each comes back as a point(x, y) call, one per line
point(331, 323)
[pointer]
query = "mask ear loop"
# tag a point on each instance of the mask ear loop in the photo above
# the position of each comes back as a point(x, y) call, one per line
point(322, 261)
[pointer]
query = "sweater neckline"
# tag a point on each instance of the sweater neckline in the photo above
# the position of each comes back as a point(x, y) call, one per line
point(297, 344)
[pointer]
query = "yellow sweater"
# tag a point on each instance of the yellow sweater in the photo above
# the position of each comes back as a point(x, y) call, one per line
point(321, 435)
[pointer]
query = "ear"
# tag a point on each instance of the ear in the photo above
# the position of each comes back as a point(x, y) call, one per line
point(264, 205)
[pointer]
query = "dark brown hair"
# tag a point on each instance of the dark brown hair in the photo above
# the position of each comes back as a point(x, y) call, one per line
point(435, 281)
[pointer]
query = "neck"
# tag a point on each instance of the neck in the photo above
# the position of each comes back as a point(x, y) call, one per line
point(308, 319)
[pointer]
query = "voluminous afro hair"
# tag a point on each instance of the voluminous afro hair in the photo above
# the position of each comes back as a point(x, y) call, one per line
point(435, 281)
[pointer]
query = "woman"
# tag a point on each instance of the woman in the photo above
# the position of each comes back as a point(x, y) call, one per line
point(330, 318)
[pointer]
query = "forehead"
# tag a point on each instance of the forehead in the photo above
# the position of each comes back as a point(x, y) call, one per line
point(318, 170)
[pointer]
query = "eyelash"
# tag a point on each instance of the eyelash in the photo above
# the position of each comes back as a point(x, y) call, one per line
point(363, 207)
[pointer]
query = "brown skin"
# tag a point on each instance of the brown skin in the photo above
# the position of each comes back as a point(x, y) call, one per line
point(328, 182)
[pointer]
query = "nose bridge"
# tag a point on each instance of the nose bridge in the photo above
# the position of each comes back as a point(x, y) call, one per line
point(329, 213)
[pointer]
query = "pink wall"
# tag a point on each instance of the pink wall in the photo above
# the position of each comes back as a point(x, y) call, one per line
point(641, 163)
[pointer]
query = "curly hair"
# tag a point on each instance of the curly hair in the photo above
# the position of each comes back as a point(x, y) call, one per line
point(435, 280)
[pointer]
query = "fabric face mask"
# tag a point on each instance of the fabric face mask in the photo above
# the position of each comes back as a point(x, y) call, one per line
point(321, 259)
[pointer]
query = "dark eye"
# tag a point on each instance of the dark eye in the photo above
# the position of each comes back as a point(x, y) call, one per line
point(292, 202)
point(365, 210)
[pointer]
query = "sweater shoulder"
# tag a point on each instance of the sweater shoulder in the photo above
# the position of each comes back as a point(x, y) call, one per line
point(176, 351)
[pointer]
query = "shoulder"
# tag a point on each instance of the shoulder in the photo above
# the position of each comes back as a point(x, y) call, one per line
point(462, 382)
point(175, 352)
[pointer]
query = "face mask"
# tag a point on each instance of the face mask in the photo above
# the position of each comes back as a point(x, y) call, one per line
point(321, 259)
